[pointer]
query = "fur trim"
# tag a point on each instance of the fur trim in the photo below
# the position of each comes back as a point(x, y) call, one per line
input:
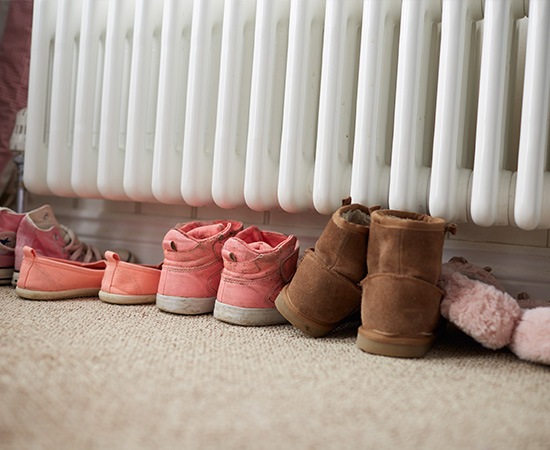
point(480, 310)
point(531, 339)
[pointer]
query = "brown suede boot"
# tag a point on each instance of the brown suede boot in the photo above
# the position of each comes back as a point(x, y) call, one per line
point(325, 289)
point(400, 301)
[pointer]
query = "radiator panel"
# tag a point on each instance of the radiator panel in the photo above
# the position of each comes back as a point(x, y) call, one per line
point(532, 202)
point(114, 103)
point(415, 105)
point(39, 101)
point(433, 106)
point(88, 98)
point(172, 98)
point(338, 91)
point(454, 125)
point(301, 105)
point(370, 178)
point(266, 104)
point(202, 102)
point(142, 102)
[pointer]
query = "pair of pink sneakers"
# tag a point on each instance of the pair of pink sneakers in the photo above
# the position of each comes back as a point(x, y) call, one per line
point(217, 266)
point(40, 230)
point(113, 280)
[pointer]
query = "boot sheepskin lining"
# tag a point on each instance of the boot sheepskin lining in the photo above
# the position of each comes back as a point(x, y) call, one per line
point(357, 216)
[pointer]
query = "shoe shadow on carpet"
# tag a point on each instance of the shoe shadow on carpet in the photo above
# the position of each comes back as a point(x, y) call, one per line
point(455, 344)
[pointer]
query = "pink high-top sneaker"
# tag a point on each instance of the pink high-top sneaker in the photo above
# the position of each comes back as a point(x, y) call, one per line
point(127, 283)
point(40, 230)
point(9, 222)
point(192, 265)
point(257, 264)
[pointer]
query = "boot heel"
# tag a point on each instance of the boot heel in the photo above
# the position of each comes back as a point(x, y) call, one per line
point(301, 322)
point(402, 347)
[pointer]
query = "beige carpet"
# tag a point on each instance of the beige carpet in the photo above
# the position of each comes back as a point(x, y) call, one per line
point(82, 374)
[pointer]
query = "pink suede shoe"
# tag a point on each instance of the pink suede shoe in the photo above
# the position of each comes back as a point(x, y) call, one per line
point(9, 222)
point(192, 265)
point(44, 278)
point(127, 283)
point(257, 264)
point(40, 230)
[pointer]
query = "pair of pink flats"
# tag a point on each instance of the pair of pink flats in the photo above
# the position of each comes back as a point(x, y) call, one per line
point(112, 280)
point(212, 266)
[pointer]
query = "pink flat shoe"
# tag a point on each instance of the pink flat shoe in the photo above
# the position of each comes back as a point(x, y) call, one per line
point(127, 283)
point(45, 278)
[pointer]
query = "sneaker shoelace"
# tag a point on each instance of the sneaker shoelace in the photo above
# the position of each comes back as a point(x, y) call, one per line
point(79, 251)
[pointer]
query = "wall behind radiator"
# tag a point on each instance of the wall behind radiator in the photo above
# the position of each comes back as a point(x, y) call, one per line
point(520, 259)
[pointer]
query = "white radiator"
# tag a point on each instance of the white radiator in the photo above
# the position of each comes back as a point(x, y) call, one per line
point(438, 106)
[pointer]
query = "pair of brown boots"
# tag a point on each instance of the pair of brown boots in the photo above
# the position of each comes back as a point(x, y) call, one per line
point(398, 299)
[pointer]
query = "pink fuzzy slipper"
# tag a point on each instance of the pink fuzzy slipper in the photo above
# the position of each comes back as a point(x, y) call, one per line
point(477, 304)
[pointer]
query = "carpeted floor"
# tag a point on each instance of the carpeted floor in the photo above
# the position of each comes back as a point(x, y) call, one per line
point(82, 374)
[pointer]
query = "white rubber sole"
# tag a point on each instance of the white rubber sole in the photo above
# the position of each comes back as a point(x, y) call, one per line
point(119, 299)
point(183, 305)
point(56, 295)
point(247, 316)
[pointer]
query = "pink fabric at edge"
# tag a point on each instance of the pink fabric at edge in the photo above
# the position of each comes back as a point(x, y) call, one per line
point(14, 70)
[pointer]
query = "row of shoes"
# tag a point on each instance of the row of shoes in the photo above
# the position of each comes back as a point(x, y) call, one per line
point(248, 276)
point(209, 266)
